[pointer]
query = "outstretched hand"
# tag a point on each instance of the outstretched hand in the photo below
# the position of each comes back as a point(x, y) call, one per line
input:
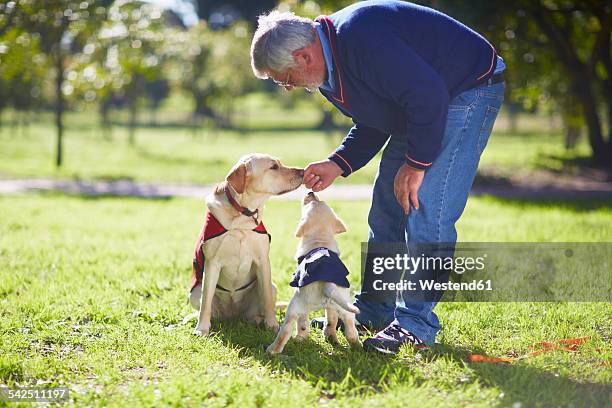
point(406, 186)
point(320, 175)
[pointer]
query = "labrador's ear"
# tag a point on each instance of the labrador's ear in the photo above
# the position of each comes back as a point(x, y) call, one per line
point(339, 226)
point(237, 178)
point(299, 232)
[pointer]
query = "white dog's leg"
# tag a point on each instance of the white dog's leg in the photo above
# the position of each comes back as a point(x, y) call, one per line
point(331, 320)
point(267, 295)
point(286, 330)
point(208, 291)
point(303, 327)
point(350, 331)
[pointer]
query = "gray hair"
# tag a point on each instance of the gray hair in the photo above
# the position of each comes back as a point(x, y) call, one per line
point(279, 34)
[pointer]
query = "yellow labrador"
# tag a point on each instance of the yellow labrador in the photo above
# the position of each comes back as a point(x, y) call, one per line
point(320, 279)
point(232, 256)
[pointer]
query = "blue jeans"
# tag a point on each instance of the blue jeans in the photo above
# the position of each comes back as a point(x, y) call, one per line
point(442, 198)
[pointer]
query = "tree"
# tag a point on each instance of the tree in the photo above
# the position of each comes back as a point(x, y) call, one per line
point(21, 70)
point(60, 25)
point(556, 49)
point(214, 67)
point(580, 36)
point(125, 59)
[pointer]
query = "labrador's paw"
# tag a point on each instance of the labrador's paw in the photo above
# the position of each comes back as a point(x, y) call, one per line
point(354, 342)
point(272, 324)
point(255, 319)
point(202, 330)
point(332, 338)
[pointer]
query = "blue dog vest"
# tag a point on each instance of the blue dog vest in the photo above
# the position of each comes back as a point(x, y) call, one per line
point(320, 264)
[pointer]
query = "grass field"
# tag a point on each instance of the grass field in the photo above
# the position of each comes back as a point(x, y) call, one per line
point(172, 153)
point(93, 292)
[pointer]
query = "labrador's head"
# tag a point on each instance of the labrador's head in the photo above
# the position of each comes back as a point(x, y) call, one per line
point(263, 174)
point(318, 219)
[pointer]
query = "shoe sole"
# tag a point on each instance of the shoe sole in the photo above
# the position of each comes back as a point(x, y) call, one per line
point(379, 349)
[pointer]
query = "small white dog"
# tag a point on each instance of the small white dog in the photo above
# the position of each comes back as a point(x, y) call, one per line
point(320, 279)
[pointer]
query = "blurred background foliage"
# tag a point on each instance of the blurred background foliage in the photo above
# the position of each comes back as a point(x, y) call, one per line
point(129, 56)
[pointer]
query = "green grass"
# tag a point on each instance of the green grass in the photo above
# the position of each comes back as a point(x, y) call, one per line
point(92, 293)
point(174, 153)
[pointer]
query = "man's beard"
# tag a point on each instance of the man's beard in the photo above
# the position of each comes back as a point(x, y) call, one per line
point(314, 85)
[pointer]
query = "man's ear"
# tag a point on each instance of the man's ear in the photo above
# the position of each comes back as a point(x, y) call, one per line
point(301, 57)
point(339, 226)
point(237, 178)
point(299, 232)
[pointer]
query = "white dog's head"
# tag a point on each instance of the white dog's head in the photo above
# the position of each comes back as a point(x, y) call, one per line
point(318, 220)
point(263, 174)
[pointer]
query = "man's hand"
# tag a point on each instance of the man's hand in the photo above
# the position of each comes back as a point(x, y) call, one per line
point(319, 175)
point(406, 186)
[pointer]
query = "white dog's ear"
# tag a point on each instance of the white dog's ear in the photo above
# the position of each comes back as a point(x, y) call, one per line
point(299, 232)
point(237, 177)
point(339, 226)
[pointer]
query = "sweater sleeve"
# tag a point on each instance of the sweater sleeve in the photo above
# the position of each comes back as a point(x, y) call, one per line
point(358, 147)
point(396, 72)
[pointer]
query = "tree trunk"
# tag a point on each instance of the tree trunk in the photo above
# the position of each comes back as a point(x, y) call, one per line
point(59, 105)
point(132, 124)
point(512, 119)
point(327, 122)
point(105, 125)
point(24, 122)
point(201, 109)
point(581, 80)
point(601, 152)
point(14, 123)
point(153, 116)
point(572, 134)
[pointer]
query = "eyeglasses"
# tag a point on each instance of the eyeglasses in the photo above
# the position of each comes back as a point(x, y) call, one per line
point(284, 83)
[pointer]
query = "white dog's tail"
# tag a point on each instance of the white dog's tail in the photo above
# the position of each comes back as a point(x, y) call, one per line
point(331, 291)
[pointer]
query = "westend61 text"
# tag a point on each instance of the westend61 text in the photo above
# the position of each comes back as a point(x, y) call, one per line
point(433, 285)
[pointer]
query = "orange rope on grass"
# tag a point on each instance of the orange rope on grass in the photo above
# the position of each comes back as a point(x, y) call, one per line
point(545, 347)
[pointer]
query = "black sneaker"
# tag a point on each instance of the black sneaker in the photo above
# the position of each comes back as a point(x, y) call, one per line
point(320, 322)
point(390, 340)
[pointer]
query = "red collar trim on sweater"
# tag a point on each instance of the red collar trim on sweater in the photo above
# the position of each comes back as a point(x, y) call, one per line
point(331, 35)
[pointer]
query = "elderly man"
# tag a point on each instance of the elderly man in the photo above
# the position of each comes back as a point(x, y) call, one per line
point(413, 76)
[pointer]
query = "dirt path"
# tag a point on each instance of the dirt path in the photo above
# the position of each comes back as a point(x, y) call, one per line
point(599, 190)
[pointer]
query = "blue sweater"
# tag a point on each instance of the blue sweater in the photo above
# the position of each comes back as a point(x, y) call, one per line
point(396, 67)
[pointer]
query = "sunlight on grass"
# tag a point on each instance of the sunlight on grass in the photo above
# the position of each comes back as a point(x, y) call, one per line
point(93, 292)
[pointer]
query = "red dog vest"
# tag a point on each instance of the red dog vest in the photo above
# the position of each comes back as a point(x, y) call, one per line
point(212, 228)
